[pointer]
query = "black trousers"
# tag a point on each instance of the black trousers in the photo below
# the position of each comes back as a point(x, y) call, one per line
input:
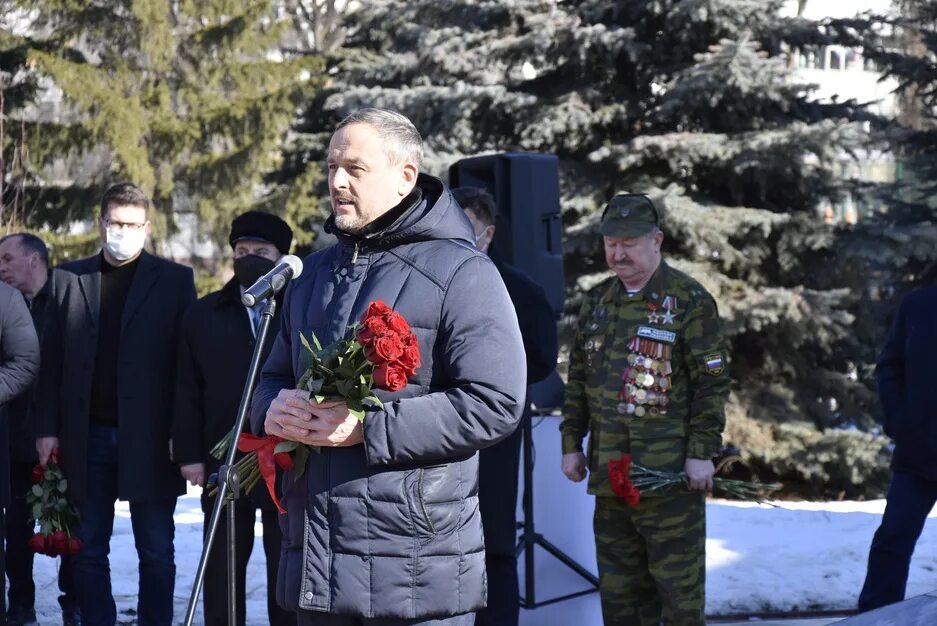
point(497, 498)
point(910, 500)
point(215, 600)
point(19, 557)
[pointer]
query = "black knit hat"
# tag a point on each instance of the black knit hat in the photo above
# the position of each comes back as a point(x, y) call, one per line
point(261, 226)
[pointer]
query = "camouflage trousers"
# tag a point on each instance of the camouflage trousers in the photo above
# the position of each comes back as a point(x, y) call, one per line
point(652, 560)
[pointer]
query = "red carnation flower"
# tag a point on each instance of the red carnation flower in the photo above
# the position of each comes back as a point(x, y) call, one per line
point(618, 476)
point(38, 473)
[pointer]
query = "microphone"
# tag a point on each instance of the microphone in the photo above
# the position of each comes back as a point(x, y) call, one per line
point(273, 281)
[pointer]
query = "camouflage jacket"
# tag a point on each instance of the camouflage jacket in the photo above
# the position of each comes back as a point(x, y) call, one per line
point(647, 375)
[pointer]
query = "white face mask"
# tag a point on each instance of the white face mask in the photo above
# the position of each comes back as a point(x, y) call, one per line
point(124, 243)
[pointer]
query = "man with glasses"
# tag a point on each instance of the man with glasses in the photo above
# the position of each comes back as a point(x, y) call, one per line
point(498, 465)
point(107, 402)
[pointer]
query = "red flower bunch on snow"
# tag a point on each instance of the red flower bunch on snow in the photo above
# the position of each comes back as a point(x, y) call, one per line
point(50, 508)
point(390, 344)
point(619, 476)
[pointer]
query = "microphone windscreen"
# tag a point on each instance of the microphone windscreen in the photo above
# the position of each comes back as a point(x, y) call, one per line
point(294, 262)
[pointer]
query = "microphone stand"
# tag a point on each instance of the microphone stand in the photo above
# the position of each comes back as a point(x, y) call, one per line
point(530, 538)
point(229, 482)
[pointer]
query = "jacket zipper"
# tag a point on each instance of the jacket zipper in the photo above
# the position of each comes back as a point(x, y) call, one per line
point(354, 255)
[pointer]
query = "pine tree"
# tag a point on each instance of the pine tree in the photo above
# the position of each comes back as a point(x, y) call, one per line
point(903, 45)
point(187, 99)
point(690, 101)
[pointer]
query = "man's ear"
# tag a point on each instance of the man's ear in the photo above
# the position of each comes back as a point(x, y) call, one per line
point(408, 176)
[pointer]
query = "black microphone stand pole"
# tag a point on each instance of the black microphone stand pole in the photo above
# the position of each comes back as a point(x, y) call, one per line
point(229, 485)
point(531, 538)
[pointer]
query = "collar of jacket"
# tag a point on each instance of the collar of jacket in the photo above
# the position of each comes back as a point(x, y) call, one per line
point(379, 229)
point(653, 291)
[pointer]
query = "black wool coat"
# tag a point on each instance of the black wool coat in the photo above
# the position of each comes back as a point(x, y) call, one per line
point(215, 349)
point(906, 374)
point(23, 409)
point(160, 293)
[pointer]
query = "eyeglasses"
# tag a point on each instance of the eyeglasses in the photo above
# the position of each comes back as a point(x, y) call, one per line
point(124, 225)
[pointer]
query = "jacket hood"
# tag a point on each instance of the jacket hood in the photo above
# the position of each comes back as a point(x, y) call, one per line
point(429, 212)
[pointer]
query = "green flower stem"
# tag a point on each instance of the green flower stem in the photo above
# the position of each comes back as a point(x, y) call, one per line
point(649, 481)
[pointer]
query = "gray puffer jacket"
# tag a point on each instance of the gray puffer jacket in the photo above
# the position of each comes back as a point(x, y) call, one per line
point(392, 528)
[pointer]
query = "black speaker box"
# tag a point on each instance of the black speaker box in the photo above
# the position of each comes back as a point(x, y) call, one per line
point(528, 233)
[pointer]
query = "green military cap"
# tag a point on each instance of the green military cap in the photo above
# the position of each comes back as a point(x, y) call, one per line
point(629, 215)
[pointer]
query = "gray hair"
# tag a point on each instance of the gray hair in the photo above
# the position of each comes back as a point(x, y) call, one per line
point(402, 141)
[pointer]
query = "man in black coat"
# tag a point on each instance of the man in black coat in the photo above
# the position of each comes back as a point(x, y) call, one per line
point(906, 374)
point(498, 465)
point(218, 336)
point(108, 403)
point(24, 264)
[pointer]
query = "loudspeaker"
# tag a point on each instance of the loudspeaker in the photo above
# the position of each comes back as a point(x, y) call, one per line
point(528, 230)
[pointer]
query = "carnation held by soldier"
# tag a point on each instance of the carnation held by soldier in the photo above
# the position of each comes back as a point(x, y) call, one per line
point(648, 377)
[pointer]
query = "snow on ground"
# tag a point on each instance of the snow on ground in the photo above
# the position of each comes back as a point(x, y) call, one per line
point(797, 556)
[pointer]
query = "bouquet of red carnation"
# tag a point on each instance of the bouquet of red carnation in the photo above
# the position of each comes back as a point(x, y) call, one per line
point(630, 482)
point(381, 352)
point(50, 508)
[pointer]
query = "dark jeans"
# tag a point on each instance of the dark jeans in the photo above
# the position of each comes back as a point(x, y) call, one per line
point(153, 531)
point(216, 571)
point(311, 618)
point(19, 557)
point(910, 499)
point(497, 499)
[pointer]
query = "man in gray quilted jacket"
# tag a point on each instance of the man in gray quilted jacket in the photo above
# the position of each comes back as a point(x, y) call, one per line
point(383, 526)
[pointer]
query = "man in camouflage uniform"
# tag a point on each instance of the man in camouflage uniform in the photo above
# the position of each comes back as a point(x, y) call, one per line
point(647, 377)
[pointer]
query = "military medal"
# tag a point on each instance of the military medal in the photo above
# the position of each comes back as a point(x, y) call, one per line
point(646, 379)
point(652, 316)
point(670, 310)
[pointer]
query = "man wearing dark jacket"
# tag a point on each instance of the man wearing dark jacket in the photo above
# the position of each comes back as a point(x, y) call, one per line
point(107, 401)
point(383, 526)
point(19, 363)
point(498, 465)
point(24, 264)
point(906, 374)
point(218, 336)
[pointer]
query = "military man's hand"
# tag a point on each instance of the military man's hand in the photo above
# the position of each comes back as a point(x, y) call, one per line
point(699, 473)
point(574, 466)
point(194, 473)
point(289, 415)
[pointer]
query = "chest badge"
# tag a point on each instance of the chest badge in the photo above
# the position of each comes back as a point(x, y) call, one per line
point(670, 310)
